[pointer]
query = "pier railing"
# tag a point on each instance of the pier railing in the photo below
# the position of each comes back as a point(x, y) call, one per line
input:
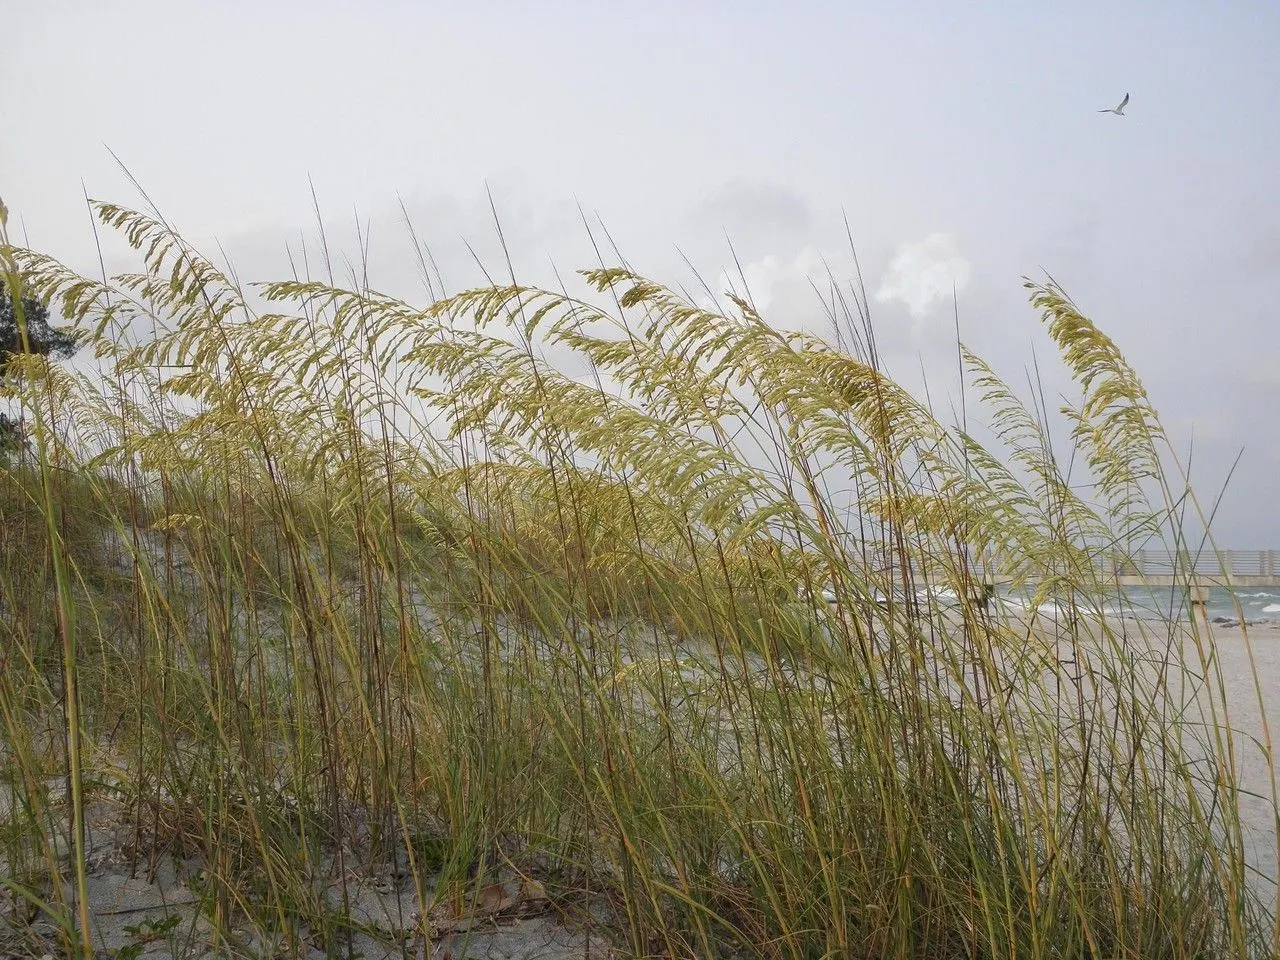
point(1245, 563)
point(1257, 567)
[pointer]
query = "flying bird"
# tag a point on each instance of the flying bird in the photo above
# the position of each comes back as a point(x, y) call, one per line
point(1118, 111)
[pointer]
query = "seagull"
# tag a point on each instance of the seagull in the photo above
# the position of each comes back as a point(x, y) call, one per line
point(1118, 111)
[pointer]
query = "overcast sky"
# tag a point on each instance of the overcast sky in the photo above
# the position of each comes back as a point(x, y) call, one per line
point(962, 141)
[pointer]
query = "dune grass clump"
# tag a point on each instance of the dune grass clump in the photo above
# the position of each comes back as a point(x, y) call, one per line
point(699, 639)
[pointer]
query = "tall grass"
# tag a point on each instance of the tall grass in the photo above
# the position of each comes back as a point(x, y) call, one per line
point(342, 578)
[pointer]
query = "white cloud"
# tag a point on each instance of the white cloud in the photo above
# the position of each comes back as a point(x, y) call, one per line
point(781, 286)
point(924, 274)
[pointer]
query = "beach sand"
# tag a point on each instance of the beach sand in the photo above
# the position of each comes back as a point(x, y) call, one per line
point(515, 921)
point(1254, 708)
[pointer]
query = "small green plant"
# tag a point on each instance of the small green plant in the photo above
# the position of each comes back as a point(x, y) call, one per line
point(150, 930)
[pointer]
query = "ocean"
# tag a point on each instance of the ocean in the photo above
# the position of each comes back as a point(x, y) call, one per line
point(1254, 604)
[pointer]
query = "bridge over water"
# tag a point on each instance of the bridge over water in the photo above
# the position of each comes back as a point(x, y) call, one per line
point(1201, 568)
point(1210, 568)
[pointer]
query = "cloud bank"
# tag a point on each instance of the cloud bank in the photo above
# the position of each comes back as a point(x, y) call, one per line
point(924, 274)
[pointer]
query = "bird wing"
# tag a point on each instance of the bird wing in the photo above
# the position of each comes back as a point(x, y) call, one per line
point(1124, 103)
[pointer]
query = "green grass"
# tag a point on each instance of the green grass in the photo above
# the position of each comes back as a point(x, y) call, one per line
point(374, 580)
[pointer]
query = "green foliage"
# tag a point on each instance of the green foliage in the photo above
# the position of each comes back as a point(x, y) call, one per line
point(41, 337)
point(34, 335)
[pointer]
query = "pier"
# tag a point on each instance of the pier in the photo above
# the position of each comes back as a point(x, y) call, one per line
point(1164, 568)
point(1221, 568)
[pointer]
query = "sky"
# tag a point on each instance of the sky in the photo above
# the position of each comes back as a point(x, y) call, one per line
point(960, 143)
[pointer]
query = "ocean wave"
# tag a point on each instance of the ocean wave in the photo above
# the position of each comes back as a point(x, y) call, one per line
point(1048, 608)
point(1272, 608)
